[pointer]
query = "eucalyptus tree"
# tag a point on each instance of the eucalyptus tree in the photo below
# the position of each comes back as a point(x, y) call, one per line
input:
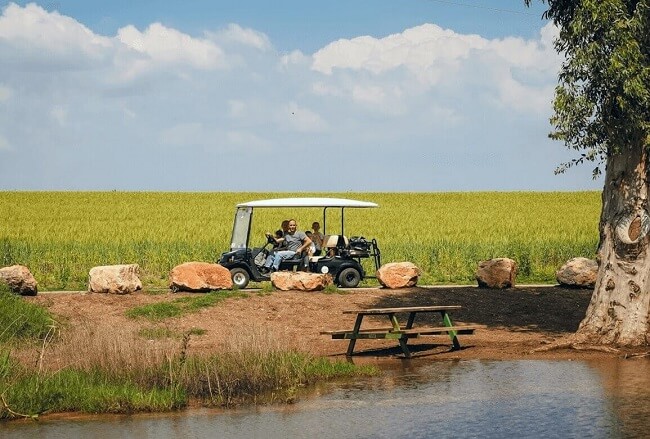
point(602, 111)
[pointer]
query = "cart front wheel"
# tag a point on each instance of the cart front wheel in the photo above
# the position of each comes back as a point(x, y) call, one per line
point(240, 277)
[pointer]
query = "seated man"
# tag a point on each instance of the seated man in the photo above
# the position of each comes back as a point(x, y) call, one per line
point(294, 243)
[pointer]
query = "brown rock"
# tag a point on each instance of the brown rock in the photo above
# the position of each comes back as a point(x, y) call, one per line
point(115, 279)
point(578, 273)
point(199, 276)
point(19, 279)
point(497, 273)
point(300, 280)
point(398, 275)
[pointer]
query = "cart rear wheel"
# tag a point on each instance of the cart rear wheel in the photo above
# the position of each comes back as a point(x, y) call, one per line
point(349, 278)
point(240, 277)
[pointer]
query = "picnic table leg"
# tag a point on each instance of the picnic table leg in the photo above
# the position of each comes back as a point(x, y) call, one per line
point(409, 323)
point(403, 339)
point(452, 334)
point(355, 334)
point(405, 349)
point(394, 322)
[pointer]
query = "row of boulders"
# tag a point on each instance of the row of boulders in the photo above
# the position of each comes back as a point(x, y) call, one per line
point(392, 275)
point(190, 276)
point(502, 273)
point(203, 276)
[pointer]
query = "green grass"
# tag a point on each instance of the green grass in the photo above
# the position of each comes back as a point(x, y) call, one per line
point(155, 311)
point(182, 305)
point(223, 380)
point(254, 373)
point(20, 319)
point(71, 390)
point(333, 289)
point(60, 236)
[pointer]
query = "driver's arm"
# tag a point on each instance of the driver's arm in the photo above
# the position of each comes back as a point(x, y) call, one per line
point(304, 245)
point(269, 236)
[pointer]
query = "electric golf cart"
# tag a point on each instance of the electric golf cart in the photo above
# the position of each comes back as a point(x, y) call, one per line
point(341, 258)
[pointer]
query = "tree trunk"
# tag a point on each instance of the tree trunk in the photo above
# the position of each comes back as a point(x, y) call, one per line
point(619, 312)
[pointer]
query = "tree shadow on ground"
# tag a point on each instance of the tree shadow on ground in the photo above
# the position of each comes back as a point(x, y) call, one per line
point(550, 309)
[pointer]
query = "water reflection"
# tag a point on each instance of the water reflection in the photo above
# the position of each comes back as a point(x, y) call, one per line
point(418, 399)
point(628, 385)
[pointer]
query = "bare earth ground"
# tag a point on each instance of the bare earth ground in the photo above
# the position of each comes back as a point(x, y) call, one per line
point(518, 319)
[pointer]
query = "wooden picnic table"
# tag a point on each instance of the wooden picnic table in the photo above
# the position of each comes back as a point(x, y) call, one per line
point(402, 332)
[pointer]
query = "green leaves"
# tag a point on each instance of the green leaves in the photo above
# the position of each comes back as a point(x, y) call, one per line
point(602, 102)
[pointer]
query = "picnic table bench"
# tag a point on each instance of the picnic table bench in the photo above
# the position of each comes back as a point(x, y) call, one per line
point(402, 332)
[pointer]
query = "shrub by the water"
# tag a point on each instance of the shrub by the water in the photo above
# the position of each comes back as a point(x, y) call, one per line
point(20, 319)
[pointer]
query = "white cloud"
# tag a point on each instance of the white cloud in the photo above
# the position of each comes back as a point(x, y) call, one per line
point(295, 57)
point(34, 28)
point(517, 71)
point(129, 113)
point(418, 49)
point(59, 114)
point(322, 88)
point(168, 45)
point(184, 135)
point(368, 94)
point(4, 144)
point(191, 135)
point(213, 105)
point(237, 108)
point(301, 119)
point(248, 141)
point(5, 93)
point(245, 36)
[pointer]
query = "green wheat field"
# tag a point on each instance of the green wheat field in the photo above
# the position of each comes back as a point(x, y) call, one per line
point(60, 236)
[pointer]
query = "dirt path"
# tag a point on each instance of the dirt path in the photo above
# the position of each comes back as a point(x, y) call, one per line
point(518, 320)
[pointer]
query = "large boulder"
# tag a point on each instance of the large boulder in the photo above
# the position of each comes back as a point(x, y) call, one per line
point(115, 279)
point(199, 276)
point(398, 275)
point(300, 280)
point(497, 273)
point(19, 280)
point(578, 273)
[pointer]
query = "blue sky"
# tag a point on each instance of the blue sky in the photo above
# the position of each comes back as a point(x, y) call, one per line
point(356, 95)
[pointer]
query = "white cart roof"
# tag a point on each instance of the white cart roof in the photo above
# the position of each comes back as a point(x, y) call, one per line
point(308, 202)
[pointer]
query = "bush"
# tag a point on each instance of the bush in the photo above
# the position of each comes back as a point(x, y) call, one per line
point(21, 319)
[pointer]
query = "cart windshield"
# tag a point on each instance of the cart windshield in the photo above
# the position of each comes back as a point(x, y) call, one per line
point(241, 228)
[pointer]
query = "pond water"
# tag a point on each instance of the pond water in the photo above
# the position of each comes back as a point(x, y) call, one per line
point(415, 399)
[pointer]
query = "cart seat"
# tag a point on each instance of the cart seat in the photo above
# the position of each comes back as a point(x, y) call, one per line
point(333, 244)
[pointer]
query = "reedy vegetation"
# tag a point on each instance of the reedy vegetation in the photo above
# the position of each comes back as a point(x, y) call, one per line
point(49, 367)
point(61, 235)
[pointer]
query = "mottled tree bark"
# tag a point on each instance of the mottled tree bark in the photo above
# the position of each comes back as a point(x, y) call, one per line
point(619, 312)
